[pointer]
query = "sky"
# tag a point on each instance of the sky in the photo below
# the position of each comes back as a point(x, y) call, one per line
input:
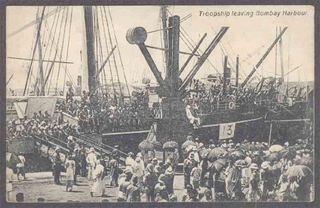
point(248, 36)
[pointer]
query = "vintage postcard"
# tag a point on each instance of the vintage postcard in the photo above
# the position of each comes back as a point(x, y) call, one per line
point(160, 104)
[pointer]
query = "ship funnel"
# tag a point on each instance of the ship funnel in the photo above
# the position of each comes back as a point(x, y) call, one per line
point(136, 35)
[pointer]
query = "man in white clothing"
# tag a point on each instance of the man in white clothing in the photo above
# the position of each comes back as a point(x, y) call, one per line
point(91, 161)
point(20, 166)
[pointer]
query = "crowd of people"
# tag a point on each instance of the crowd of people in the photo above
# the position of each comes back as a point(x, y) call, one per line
point(246, 171)
point(209, 99)
point(111, 114)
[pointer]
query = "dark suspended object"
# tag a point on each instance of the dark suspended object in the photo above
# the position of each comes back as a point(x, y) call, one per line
point(156, 145)
point(145, 145)
point(170, 145)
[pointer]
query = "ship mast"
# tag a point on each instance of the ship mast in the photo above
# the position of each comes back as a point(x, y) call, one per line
point(90, 53)
point(164, 16)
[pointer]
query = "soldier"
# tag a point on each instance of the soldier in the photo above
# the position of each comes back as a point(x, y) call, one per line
point(114, 170)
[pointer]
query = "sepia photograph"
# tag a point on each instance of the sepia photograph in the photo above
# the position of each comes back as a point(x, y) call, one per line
point(162, 103)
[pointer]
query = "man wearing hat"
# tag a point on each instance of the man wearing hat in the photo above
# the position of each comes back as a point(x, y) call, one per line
point(188, 165)
point(196, 176)
point(169, 180)
point(56, 166)
point(267, 179)
point(160, 190)
point(124, 182)
point(133, 191)
point(91, 162)
point(20, 166)
point(234, 181)
point(150, 182)
point(114, 171)
point(254, 193)
point(129, 160)
point(138, 170)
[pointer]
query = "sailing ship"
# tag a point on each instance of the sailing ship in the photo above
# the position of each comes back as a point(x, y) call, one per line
point(230, 119)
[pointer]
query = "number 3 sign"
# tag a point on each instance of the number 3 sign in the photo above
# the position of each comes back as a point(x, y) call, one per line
point(226, 130)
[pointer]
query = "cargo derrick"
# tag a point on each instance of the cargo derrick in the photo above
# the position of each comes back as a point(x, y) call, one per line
point(174, 124)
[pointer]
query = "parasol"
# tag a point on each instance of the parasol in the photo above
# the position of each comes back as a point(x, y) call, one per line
point(275, 148)
point(218, 165)
point(214, 153)
point(145, 145)
point(204, 152)
point(187, 143)
point(299, 171)
point(156, 145)
point(287, 153)
point(12, 160)
point(272, 157)
point(237, 155)
point(307, 161)
point(170, 145)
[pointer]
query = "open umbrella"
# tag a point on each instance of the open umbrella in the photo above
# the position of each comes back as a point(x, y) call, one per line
point(299, 171)
point(187, 143)
point(145, 145)
point(287, 153)
point(204, 152)
point(156, 145)
point(214, 153)
point(12, 160)
point(218, 165)
point(170, 145)
point(272, 157)
point(307, 161)
point(237, 155)
point(275, 148)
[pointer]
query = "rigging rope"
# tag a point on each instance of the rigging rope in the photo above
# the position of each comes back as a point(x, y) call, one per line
point(118, 48)
point(34, 50)
point(113, 56)
point(62, 46)
point(35, 22)
point(48, 70)
point(105, 38)
point(104, 77)
point(66, 67)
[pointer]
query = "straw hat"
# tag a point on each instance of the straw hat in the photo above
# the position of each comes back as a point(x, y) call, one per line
point(265, 165)
point(254, 166)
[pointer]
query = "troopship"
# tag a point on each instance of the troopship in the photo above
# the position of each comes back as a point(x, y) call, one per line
point(233, 109)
